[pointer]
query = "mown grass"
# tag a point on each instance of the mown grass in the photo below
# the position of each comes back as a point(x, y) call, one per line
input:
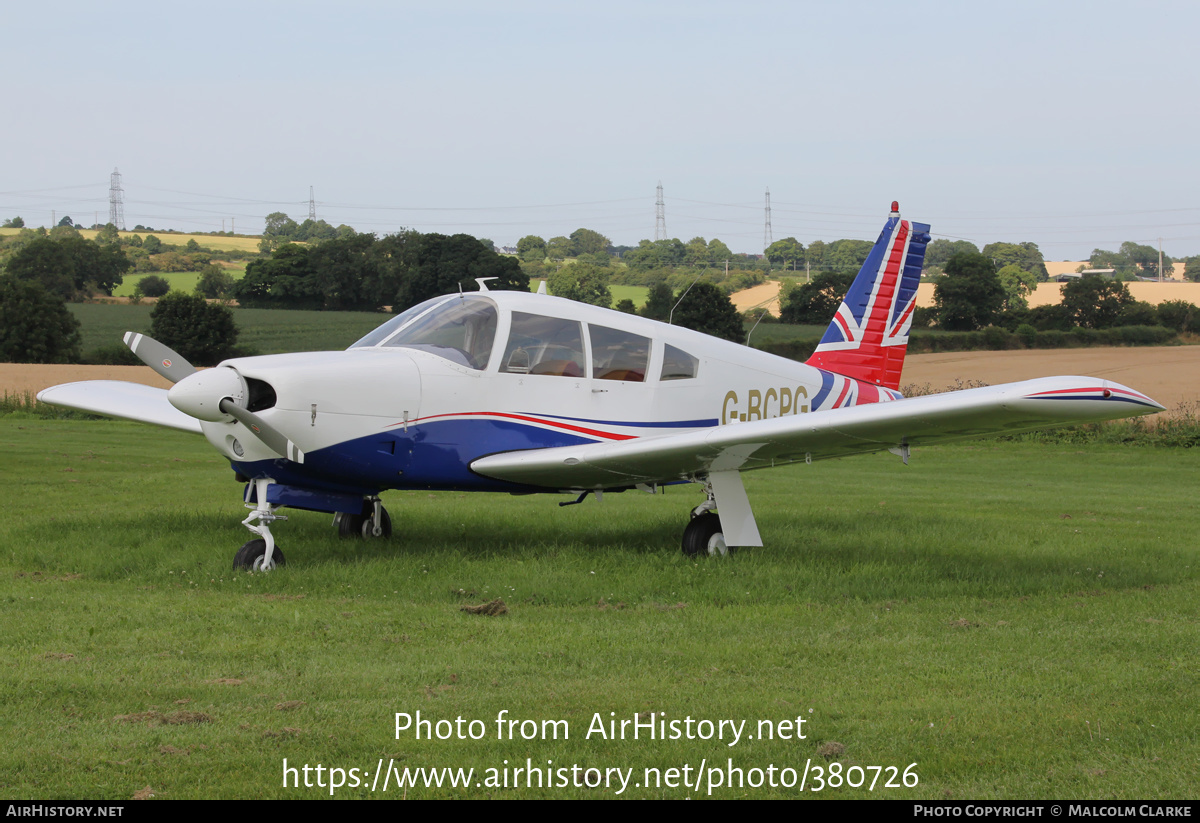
point(1018, 619)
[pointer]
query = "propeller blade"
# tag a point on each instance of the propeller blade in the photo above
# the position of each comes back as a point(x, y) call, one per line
point(267, 433)
point(159, 357)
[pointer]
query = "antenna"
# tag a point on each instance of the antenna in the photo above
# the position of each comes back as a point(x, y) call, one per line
point(660, 216)
point(116, 200)
point(767, 237)
point(312, 205)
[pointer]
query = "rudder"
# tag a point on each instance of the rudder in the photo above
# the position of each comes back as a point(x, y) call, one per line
point(868, 336)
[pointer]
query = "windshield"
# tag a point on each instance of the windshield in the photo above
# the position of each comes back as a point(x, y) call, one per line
point(460, 328)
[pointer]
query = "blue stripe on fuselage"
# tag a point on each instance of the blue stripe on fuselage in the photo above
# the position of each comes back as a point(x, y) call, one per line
point(436, 455)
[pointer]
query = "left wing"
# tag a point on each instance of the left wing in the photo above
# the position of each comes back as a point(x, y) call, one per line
point(1012, 407)
point(117, 398)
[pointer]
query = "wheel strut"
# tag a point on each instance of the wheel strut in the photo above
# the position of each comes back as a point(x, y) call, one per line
point(264, 514)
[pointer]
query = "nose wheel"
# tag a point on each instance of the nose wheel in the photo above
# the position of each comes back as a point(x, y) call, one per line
point(252, 557)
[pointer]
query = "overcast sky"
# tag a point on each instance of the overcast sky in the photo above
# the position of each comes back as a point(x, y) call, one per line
point(1069, 124)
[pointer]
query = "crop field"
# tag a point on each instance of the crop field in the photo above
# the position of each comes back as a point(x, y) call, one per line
point(995, 620)
point(266, 331)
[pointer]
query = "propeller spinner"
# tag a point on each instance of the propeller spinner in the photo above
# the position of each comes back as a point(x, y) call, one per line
point(215, 395)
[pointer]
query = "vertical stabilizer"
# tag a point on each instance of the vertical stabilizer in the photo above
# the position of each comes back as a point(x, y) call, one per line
point(868, 337)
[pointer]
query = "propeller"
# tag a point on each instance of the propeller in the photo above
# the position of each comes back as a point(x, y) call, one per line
point(212, 394)
point(164, 360)
point(271, 437)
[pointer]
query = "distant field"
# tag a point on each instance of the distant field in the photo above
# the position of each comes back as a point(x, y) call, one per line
point(267, 331)
point(179, 280)
point(212, 241)
point(637, 294)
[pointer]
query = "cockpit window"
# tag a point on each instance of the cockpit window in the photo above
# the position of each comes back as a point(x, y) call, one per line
point(677, 364)
point(544, 345)
point(461, 329)
point(618, 355)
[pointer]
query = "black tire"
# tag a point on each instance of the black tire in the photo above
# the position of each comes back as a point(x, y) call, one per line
point(703, 537)
point(250, 556)
point(359, 525)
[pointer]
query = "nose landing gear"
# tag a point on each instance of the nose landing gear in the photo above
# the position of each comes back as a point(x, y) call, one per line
point(260, 555)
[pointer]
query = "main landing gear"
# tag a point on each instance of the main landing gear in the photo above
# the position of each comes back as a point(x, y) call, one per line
point(713, 535)
point(262, 555)
point(704, 536)
point(372, 521)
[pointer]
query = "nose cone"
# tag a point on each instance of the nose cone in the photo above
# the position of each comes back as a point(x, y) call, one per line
point(200, 394)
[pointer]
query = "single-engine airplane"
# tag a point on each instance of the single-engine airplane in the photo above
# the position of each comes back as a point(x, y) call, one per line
point(515, 392)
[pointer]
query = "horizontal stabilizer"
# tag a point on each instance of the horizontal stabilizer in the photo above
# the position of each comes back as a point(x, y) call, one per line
point(1012, 407)
point(117, 398)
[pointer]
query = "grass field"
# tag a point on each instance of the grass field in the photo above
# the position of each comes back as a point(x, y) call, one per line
point(1016, 620)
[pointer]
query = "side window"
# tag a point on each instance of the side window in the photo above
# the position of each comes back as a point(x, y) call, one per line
point(543, 345)
point(618, 355)
point(678, 364)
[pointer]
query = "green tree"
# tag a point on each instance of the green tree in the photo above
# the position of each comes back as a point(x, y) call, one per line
point(154, 286)
point(696, 252)
point(214, 283)
point(1179, 315)
point(582, 282)
point(586, 241)
point(280, 281)
point(35, 324)
point(531, 248)
point(70, 266)
point(970, 295)
point(66, 221)
point(17, 222)
point(344, 274)
point(1025, 256)
point(152, 245)
point(108, 234)
point(718, 253)
point(440, 265)
point(204, 333)
point(815, 302)
point(814, 256)
point(559, 248)
point(1191, 270)
point(656, 255)
point(941, 250)
point(625, 306)
point(847, 255)
point(707, 309)
point(788, 252)
point(659, 302)
point(1096, 302)
point(280, 229)
point(1018, 285)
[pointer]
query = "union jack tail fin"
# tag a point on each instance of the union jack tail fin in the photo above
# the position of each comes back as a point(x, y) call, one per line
point(868, 337)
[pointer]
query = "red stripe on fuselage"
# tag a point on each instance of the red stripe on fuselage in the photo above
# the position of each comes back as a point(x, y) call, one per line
point(528, 419)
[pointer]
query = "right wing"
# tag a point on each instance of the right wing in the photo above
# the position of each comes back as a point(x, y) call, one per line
point(117, 398)
point(1012, 407)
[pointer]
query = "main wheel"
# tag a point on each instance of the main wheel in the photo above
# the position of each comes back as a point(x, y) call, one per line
point(362, 525)
point(250, 557)
point(703, 537)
